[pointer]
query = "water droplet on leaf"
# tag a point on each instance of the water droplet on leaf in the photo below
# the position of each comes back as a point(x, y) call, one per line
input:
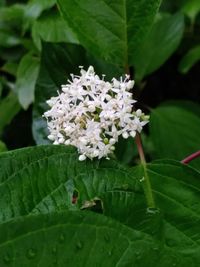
point(137, 253)
point(79, 245)
point(107, 237)
point(62, 238)
point(7, 258)
point(155, 248)
point(171, 242)
point(125, 186)
point(31, 253)
point(152, 210)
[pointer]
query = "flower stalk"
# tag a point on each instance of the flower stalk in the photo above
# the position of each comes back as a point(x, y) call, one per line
point(145, 180)
point(191, 157)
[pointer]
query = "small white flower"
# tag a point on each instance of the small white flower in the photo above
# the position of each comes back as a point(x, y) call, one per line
point(51, 137)
point(138, 112)
point(125, 135)
point(112, 141)
point(82, 157)
point(67, 142)
point(91, 113)
point(133, 133)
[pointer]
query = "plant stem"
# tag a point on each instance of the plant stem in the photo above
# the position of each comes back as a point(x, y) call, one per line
point(146, 181)
point(191, 157)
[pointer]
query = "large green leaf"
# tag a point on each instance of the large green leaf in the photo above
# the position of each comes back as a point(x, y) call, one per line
point(41, 179)
point(57, 62)
point(27, 74)
point(176, 189)
point(158, 46)
point(112, 30)
point(80, 239)
point(60, 31)
point(175, 131)
point(126, 202)
point(179, 242)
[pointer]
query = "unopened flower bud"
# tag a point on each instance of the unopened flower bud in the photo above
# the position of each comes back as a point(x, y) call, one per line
point(51, 137)
point(133, 133)
point(82, 157)
point(125, 135)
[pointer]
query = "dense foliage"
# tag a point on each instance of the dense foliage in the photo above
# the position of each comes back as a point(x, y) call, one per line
point(58, 211)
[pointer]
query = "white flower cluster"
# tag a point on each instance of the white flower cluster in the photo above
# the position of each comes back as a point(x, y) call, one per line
point(91, 114)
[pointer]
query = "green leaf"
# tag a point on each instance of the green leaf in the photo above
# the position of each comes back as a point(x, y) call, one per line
point(35, 7)
point(8, 38)
point(119, 26)
point(191, 9)
point(79, 239)
point(10, 67)
point(11, 19)
point(175, 131)
point(190, 59)
point(37, 184)
point(159, 45)
point(42, 180)
point(27, 74)
point(60, 31)
point(168, 176)
point(92, 185)
point(176, 190)
point(57, 62)
point(130, 208)
point(12, 16)
point(9, 107)
point(29, 175)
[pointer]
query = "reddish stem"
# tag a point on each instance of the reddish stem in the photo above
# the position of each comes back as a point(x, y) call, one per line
point(191, 157)
point(140, 148)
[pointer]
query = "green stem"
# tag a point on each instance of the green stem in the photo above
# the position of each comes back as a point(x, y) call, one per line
point(145, 180)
